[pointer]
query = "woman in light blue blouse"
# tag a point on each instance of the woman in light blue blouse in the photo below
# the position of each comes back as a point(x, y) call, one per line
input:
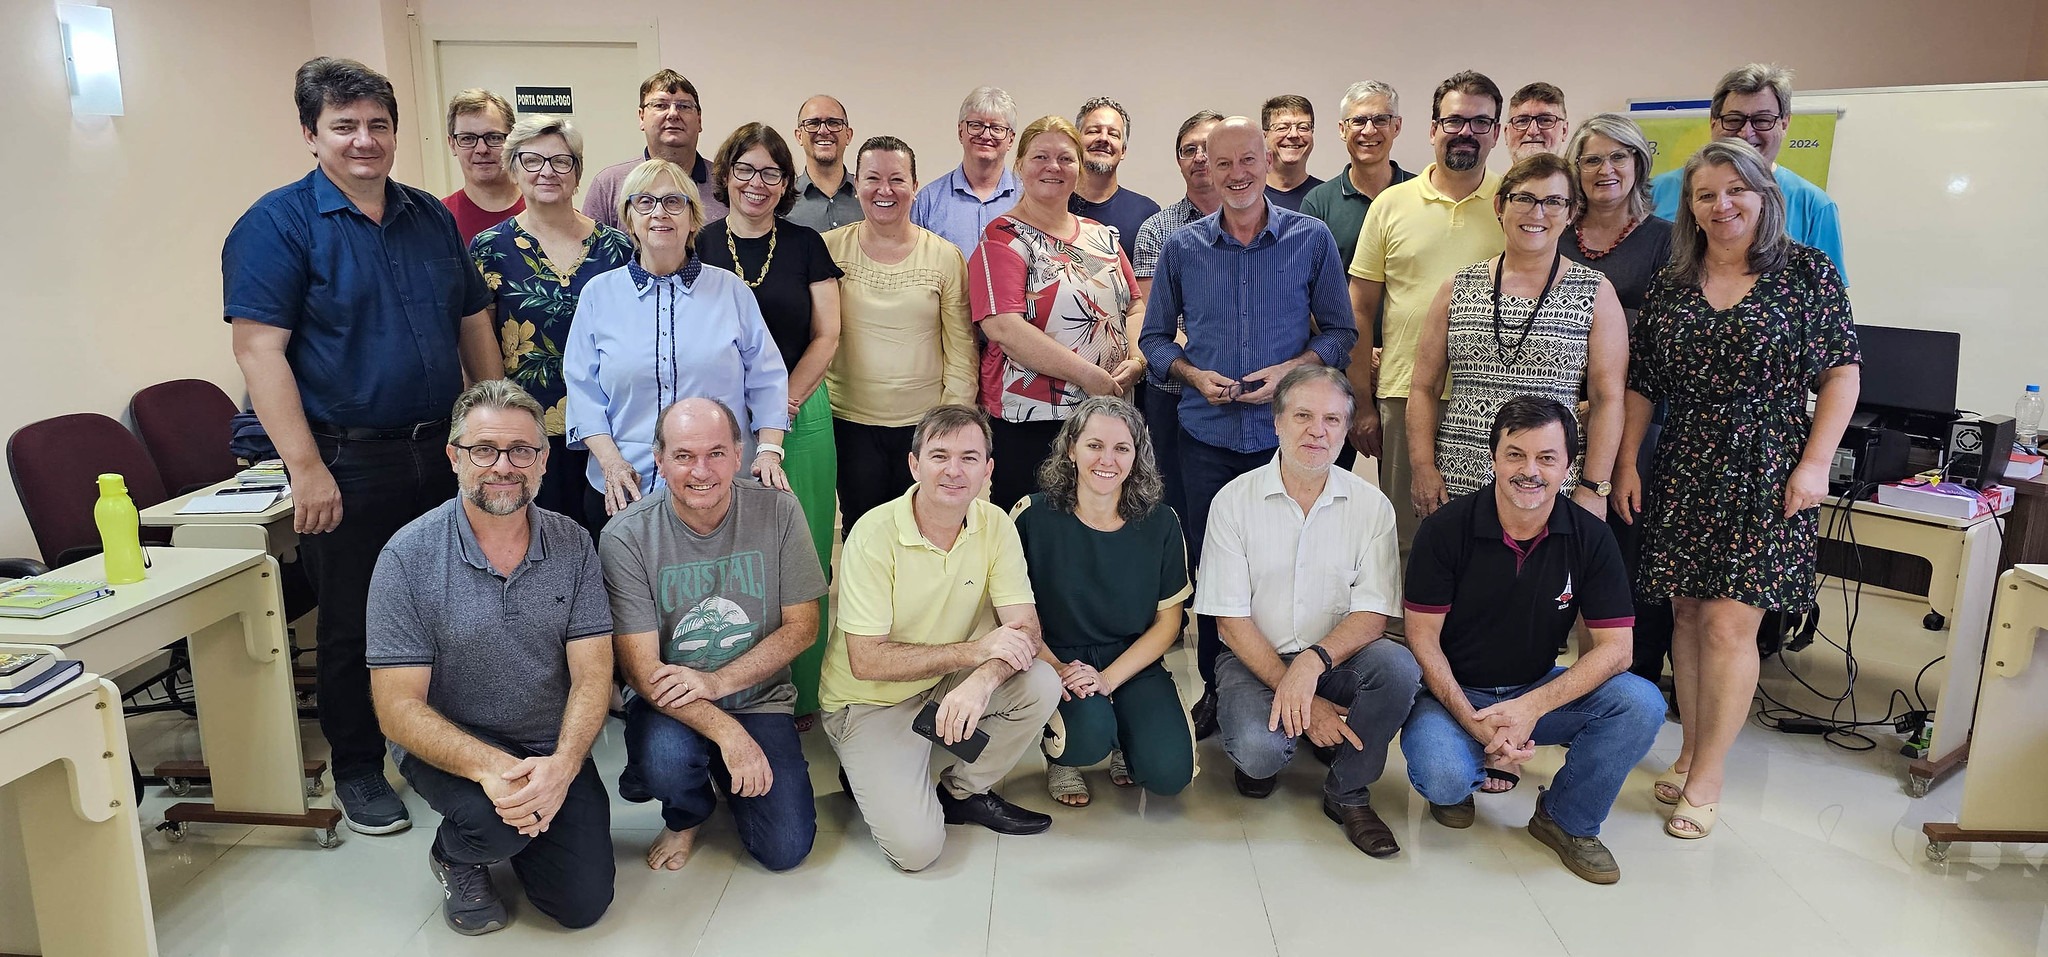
point(665, 328)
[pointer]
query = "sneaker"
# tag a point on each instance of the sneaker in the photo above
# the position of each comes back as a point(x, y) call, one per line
point(469, 903)
point(1584, 856)
point(369, 806)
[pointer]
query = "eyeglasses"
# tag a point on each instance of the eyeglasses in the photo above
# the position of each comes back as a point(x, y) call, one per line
point(1734, 122)
point(1543, 121)
point(978, 128)
point(468, 141)
point(1192, 150)
point(664, 106)
point(485, 456)
point(532, 162)
point(674, 204)
point(1305, 126)
point(1378, 121)
point(1480, 125)
point(1529, 201)
point(1618, 159)
point(830, 124)
point(770, 175)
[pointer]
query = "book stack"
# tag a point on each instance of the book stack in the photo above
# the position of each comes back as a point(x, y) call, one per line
point(1946, 499)
point(2022, 465)
point(269, 472)
point(27, 676)
point(43, 597)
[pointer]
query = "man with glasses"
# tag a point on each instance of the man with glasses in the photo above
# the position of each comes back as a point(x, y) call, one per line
point(672, 117)
point(960, 204)
point(490, 644)
point(1105, 127)
point(1415, 236)
point(825, 197)
point(1536, 122)
point(478, 122)
point(1754, 103)
point(1290, 124)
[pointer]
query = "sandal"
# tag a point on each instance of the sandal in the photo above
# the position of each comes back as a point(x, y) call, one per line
point(1701, 818)
point(1119, 770)
point(1066, 785)
point(1496, 774)
point(1669, 786)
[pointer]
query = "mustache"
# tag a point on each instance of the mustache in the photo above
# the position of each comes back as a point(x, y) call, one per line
point(1464, 142)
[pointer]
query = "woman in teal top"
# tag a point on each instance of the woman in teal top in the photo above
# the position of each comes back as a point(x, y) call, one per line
point(1110, 571)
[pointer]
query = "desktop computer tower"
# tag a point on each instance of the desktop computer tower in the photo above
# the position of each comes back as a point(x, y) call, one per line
point(1978, 449)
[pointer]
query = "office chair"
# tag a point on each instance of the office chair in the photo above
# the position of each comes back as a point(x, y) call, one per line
point(184, 424)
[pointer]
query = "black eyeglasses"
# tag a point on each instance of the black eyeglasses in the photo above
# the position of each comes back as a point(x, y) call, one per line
point(1378, 121)
point(1529, 201)
point(664, 106)
point(468, 141)
point(1480, 125)
point(770, 175)
point(1618, 159)
point(674, 204)
point(1543, 121)
point(1733, 123)
point(532, 162)
point(485, 456)
point(830, 124)
point(977, 128)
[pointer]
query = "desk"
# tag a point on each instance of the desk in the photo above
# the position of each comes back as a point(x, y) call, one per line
point(269, 530)
point(2002, 797)
point(226, 601)
point(67, 822)
point(1963, 554)
point(2026, 529)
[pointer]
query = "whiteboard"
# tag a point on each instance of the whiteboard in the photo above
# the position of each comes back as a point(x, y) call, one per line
point(1945, 222)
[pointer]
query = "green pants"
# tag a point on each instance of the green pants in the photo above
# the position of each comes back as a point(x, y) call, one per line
point(812, 464)
point(1144, 718)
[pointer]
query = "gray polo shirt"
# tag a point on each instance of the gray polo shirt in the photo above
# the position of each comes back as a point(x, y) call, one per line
point(496, 644)
point(821, 212)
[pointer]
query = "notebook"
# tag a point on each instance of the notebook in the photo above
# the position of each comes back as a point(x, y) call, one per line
point(20, 668)
point(231, 503)
point(43, 597)
point(44, 683)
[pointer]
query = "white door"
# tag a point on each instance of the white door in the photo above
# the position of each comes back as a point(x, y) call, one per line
point(602, 70)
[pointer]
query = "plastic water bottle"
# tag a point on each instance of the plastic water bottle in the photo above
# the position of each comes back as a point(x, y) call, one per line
point(2026, 416)
point(120, 531)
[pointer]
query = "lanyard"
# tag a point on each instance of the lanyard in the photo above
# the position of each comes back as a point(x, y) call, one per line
point(1502, 347)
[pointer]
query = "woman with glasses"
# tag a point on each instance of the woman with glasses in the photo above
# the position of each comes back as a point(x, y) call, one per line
point(1526, 322)
point(536, 264)
point(797, 286)
point(1055, 296)
point(661, 329)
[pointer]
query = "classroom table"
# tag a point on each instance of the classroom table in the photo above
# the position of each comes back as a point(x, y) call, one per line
point(2009, 755)
point(269, 529)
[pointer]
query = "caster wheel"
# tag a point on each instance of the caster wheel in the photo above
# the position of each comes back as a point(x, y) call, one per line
point(1917, 786)
point(326, 837)
point(1937, 851)
point(172, 831)
point(1933, 622)
point(314, 788)
point(178, 787)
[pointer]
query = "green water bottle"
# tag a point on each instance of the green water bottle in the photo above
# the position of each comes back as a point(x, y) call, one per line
point(120, 531)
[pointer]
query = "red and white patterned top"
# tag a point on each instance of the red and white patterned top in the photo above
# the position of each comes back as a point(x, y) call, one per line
point(1076, 291)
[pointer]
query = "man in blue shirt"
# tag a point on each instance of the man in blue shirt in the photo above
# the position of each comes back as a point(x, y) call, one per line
point(1754, 103)
point(1261, 290)
point(1105, 129)
point(356, 313)
point(960, 204)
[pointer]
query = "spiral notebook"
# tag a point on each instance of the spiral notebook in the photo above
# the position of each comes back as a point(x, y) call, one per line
point(43, 597)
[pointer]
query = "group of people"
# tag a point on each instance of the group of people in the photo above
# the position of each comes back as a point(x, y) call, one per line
point(1053, 418)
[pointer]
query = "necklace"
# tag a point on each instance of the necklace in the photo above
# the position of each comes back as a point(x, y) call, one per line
point(1600, 253)
point(1513, 356)
point(733, 249)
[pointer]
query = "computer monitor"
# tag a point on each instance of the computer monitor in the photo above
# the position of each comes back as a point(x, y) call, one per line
point(1909, 370)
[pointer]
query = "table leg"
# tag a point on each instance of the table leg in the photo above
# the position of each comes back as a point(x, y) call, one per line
point(248, 714)
point(1968, 626)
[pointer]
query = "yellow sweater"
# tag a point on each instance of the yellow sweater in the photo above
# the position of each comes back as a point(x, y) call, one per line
point(905, 344)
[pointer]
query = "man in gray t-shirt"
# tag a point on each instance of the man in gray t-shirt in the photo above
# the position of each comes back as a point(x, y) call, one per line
point(714, 591)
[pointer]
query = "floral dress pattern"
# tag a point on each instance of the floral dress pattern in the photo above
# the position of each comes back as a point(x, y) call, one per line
point(1076, 292)
point(1736, 380)
point(536, 302)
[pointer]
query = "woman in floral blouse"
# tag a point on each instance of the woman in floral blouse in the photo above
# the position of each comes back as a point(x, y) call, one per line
point(536, 264)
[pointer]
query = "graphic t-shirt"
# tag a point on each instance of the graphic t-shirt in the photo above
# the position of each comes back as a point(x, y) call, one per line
point(712, 598)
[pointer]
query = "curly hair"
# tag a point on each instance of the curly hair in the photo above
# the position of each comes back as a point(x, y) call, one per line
point(1059, 478)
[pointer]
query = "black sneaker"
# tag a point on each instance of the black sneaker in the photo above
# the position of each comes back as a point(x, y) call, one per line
point(1203, 714)
point(469, 903)
point(989, 810)
point(369, 806)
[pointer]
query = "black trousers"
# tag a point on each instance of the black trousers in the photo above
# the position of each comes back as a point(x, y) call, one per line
point(874, 466)
point(1653, 616)
point(1205, 469)
point(562, 487)
point(384, 485)
point(1019, 448)
point(1162, 423)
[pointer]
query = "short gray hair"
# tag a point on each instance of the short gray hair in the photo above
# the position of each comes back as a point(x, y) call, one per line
point(1367, 89)
point(492, 394)
point(990, 99)
point(1622, 130)
point(1768, 247)
point(1303, 375)
point(536, 125)
point(1103, 102)
point(1756, 78)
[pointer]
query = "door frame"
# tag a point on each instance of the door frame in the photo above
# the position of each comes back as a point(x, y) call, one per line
point(430, 102)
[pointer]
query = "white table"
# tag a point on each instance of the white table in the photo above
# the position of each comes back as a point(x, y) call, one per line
point(269, 529)
point(72, 880)
point(2009, 755)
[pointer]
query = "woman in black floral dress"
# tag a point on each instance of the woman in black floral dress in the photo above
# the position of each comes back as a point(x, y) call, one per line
point(1733, 334)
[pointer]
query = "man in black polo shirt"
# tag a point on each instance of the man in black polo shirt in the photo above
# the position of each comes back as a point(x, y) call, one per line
point(1496, 580)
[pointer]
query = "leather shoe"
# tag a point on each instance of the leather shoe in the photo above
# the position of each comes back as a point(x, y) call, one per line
point(989, 810)
point(1459, 815)
point(1203, 714)
point(1363, 827)
point(1252, 787)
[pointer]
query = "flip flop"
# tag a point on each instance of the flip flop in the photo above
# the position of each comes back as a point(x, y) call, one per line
point(1496, 774)
point(1701, 818)
point(1669, 786)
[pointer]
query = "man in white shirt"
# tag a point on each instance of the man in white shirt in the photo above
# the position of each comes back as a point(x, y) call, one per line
point(1300, 570)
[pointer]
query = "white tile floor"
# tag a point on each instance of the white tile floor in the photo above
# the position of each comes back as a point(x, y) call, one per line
point(1818, 853)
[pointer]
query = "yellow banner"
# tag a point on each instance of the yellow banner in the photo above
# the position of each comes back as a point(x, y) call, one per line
point(1809, 141)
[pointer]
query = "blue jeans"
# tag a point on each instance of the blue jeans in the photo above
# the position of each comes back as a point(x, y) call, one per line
point(1378, 685)
point(1609, 730)
point(677, 766)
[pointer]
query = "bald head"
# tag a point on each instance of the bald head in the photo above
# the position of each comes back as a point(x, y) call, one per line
point(824, 147)
point(1238, 162)
point(824, 101)
point(696, 422)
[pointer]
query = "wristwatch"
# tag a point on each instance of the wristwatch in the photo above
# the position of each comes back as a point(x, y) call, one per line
point(1602, 489)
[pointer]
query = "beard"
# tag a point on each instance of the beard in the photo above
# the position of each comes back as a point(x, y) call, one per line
point(1099, 167)
point(499, 505)
point(1461, 154)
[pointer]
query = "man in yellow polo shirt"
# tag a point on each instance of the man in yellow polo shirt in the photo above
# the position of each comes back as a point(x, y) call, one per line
point(935, 606)
point(1415, 236)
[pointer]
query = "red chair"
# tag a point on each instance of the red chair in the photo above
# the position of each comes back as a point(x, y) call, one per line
point(184, 424)
point(56, 464)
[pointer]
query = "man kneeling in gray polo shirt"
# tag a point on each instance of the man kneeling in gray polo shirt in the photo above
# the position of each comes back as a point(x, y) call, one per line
point(486, 679)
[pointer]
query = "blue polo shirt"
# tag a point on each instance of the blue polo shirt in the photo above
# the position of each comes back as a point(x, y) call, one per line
point(1246, 308)
point(375, 309)
point(948, 206)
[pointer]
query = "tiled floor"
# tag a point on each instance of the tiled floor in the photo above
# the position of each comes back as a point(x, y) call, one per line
point(1818, 853)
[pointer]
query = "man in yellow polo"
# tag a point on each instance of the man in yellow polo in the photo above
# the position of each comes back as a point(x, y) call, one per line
point(935, 606)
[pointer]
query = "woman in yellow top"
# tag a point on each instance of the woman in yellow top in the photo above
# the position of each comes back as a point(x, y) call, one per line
point(905, 345)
